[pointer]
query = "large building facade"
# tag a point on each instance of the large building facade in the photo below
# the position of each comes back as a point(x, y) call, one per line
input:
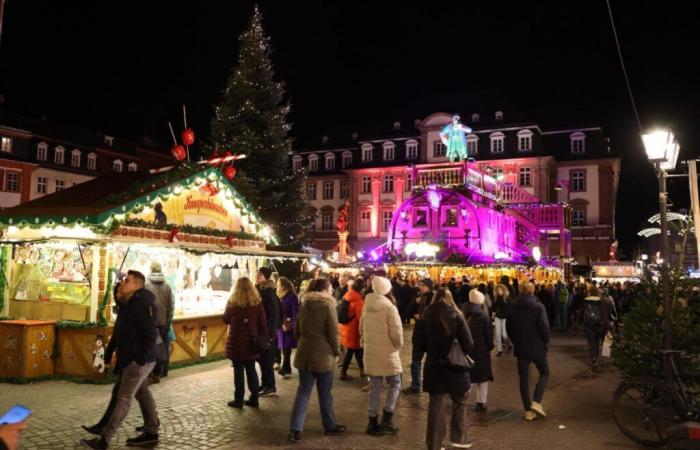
point(568, 165)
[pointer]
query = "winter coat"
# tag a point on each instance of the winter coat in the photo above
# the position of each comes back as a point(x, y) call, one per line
point(271, 303)
point(432, 339)
point(381, 336)
point(316, 332)
point(163, 298)
point(480, 328)
point(595, 303)
point(528, 327)
point(134, 335)
point(290, 307)
point(500, 307)
point(419, 304)
point(350, 332)
point(243, 325)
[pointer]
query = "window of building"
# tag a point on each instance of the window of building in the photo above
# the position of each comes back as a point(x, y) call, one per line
point(327, 219)
point(132, 167)
point(411, 149)
point(472, 144)
point(365, 220)
point(12, 182)
point(420, 217)
point(91, 161)
point(344, 190)
point(296, 162)
point(366, 184)
point(388, 151)
point(347, 159)
point(578, 180)
point(497, 139)
point(409, 182)
point(450, 217)
point(313, 163)
point(497, 173)
point(60, 185)
point(311, 190)
point(330, 161)
point(578, 142)
point(388, 183)
point(525, 177)
point(475, 118)
point(387, 214)
point(578, 217)
point(366, 152)
point(117, 165)
point(524, 140)
point(6, 145)
point(75, 158)
point(328, 190)
point(439, 149)
point(42, 184)
point(58, 155)
point(498, 115)
point(42, 151)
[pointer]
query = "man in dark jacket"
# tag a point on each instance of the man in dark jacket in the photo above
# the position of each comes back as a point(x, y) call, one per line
point(271, 303)
point(528, 328)
point(416, 310)
point(134, 341)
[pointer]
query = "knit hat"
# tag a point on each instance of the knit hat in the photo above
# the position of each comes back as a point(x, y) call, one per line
point(266, 272)
point(156, 267)
point(427, 282)
point(476, 297)
point(381, 285)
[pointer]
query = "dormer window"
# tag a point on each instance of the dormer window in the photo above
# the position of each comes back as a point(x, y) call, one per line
point(475, 118)
point(296, 162)
point(498, 116)
point(75, 158)
point(6, 144)
point(472, 144)
point(42, 151)
point(132, 167)
point(412, 149)
point(330, 161)
point(366, 152)
point(524, 140)
point(58, 155)
point(313, 162)
point(388, 151)
point(109, 140)
point(497, 139)
point(91, 161)
point(117, 165)
point(347, 159)
point(578, 142)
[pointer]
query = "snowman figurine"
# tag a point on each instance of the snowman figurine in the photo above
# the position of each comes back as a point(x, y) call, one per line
point(203, 343)
point(98, 355)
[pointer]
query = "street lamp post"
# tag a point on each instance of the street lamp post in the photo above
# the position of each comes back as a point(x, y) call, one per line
point(662, 151)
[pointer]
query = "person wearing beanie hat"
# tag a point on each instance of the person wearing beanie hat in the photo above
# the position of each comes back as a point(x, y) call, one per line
point(479, 325)
point(381, 334)
point(416, 310)
point(163, 317)
point(273, 311)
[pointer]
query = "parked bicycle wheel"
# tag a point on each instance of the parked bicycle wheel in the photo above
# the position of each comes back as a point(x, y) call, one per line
point(645, 408)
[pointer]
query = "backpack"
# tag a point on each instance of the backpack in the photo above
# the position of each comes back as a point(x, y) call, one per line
point(344, 316)
point(563, 295)
point(592, 313)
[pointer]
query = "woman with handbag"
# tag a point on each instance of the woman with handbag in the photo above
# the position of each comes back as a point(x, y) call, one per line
point(285, 335)
point(247, 323)
point(444, 329)
point(480, 328)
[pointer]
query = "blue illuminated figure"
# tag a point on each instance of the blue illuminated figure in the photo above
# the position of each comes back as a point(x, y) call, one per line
point(453, 135)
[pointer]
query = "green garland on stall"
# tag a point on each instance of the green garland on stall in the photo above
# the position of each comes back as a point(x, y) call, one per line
point(189, 229)
point(101, 319)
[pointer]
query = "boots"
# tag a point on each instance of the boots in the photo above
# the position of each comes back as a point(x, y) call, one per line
point(387, 425)
point(373, 427)
point(344, 375)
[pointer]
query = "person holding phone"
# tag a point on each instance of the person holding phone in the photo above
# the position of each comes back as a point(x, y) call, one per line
point(9, 435)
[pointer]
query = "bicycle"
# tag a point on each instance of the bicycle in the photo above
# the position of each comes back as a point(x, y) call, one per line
point(645, 408)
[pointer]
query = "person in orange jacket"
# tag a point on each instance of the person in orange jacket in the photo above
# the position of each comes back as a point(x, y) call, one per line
point(350, 332)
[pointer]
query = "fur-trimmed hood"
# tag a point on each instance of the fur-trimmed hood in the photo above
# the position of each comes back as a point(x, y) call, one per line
point(314, 300)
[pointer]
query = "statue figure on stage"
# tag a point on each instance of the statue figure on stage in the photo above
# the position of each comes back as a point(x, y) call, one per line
point(453, 135)
point(343, 214)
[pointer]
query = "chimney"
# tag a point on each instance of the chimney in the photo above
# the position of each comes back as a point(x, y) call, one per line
point(397, 125)
point(324, 140)
point(355, 136)
point(417, 123)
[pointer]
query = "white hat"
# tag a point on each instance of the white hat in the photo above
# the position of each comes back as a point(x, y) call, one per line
point(381, 285)
point(476, 297)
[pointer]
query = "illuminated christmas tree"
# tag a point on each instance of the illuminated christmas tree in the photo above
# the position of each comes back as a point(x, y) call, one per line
point(251, 119)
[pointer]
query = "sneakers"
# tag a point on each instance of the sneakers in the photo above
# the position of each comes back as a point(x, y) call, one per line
point(294, 436)
point(143, 428)
point(457, 445)
point(144, 438)
point(337, 431)
point(98, 443)
point(268, 392)
point(537, 407)
point(235, 403)
point(94, 429)
point(530, 416)
point(411, 390)
point(344, 376)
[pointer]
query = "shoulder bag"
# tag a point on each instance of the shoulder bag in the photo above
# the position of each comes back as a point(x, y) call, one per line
point(452, 357)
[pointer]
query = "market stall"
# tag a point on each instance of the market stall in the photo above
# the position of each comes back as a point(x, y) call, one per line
point(60, 256)
point(475, 273)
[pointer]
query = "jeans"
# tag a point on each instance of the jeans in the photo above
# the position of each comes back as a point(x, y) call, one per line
point(112, 404)
point(134, 383)
point(482, 391)
point(324, 384)
point(359, 354)
point(416, 358)
point(523, 372)
point(594, 335)
point(286, 368)
point(243, 370)
point(376, 384)
point(562, 316)
point(267, 371)
point(161, 369)
point(436, 431)
point(500, 334)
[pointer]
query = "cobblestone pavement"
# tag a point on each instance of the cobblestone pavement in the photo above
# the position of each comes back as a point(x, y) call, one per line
point(193, 411)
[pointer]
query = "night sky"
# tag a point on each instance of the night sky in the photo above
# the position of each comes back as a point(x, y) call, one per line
point(125, 68)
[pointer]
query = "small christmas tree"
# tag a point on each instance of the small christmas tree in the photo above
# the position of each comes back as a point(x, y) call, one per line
point(251, 119)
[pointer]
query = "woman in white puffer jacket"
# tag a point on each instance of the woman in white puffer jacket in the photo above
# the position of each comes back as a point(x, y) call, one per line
point(381, 337)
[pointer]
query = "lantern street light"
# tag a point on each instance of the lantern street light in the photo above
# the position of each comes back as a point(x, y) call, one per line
point(662, 150)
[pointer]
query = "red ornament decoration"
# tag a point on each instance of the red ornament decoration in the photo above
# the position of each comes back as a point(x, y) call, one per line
point(230, 172)
point(178, 152)
point(187, 136)
point(227, 154)
point(229, 241)
point(173, 234)
point(209, 189)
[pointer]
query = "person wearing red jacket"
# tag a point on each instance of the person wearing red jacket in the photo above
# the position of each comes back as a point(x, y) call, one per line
point(350, 332)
